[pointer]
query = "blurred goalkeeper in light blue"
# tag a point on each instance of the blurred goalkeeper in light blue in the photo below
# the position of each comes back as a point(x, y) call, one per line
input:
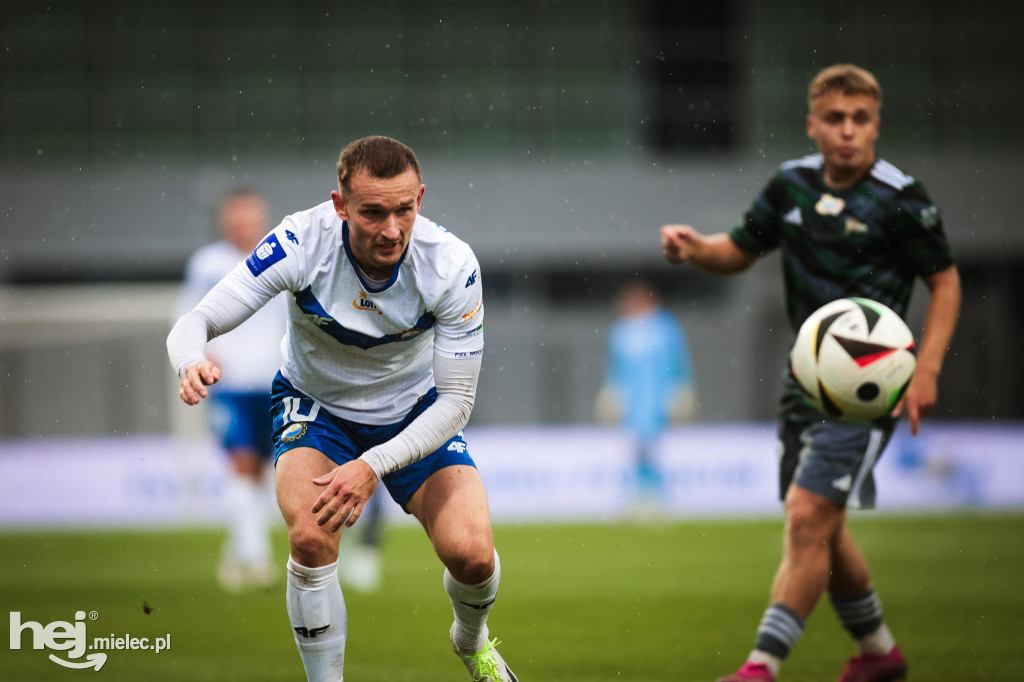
point(649, 380)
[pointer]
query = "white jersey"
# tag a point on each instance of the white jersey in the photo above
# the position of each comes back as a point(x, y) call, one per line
point(365, 352)
point(250, 354)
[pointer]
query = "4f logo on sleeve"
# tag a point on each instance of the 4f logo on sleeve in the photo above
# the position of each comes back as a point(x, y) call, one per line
point(266, 254)
point(471, 281)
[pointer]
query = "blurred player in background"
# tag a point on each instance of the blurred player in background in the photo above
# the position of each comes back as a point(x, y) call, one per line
point(848, 224)
point(649, 380)
point(381, 360)
point(359, 565)
point(240, 406)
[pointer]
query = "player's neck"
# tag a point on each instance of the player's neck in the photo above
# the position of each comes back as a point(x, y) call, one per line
point(844, 178)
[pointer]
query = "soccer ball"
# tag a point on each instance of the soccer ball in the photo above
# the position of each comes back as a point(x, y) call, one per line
point(853, 359)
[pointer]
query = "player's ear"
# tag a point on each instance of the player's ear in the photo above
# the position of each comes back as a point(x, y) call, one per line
point(419, 197)
point(339, 204)
point(810, 126)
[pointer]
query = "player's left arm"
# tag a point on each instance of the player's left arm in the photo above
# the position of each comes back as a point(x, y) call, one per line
point(939, 325)
point(458, 348)
point(349, 486)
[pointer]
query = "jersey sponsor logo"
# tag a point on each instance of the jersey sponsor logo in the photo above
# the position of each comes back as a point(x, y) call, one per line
point(462, 355)
point(471, 314)
point(855, 226)
point(361, 302)
point(291, 237)
point(457, 446)
point(794, 217)
point(311, 308)
point(829, 205)
point(266, 254)
point(475, 331)
point(471, 281)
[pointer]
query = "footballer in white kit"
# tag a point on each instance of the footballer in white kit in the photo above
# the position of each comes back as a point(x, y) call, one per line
point(357, 349)
point(249, 357)
point(380, 365)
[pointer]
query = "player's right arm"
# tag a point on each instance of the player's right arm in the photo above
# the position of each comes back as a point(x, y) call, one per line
point(273, 267)
point(716, 253)
point(217, 313)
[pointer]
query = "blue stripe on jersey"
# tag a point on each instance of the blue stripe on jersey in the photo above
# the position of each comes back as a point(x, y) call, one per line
point(312, 309)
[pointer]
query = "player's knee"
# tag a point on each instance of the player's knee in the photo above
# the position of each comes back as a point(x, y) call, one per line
point(809, 523)
point(311, 546)
point(472, 562)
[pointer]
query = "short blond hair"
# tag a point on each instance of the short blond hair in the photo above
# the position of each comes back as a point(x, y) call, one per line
point(848, 79)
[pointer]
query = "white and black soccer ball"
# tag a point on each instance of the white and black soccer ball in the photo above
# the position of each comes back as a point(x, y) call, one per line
point(853, 359)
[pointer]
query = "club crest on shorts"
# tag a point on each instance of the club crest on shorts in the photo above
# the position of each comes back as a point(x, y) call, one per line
point(293, 432)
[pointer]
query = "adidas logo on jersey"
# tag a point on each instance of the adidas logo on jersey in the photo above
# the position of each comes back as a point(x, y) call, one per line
point(853, 225)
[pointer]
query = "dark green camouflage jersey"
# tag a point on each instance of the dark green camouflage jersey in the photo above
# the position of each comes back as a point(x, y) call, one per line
point(869, 240)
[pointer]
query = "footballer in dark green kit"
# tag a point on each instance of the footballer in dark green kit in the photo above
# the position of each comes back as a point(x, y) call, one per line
point(847, 224)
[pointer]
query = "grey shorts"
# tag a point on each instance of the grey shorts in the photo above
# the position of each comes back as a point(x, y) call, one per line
point(831, 458)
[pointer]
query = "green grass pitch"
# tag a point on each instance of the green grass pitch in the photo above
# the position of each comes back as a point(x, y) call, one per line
point(578, 603)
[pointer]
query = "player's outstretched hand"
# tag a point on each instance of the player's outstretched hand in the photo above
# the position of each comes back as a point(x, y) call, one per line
point(193, 383)
point(348, 487)
point(919, 400)
point(678, 242)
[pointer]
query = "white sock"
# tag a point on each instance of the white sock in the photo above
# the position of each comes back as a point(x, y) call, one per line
point(878, 642)
point(248, 524)
point(319, 620)
point(471, 604)
point(773, 662)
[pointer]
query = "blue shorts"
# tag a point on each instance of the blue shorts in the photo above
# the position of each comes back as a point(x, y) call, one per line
point(299, 421)
point(242, 420)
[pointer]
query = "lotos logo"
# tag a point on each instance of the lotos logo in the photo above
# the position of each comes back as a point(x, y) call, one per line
point(361, 302)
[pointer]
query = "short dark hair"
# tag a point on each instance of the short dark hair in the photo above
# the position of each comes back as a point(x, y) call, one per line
point(379, 156)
